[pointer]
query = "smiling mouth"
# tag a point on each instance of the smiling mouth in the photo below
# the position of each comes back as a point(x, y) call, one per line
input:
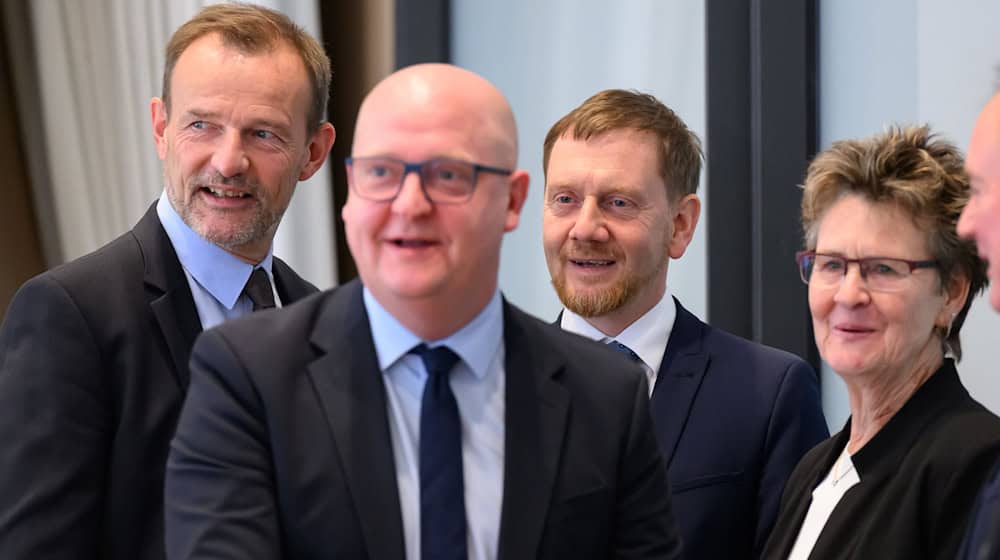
point(220, 193)
point(411, 243)
point(592, 263)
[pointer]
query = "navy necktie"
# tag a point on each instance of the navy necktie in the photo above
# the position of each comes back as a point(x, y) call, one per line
point(625, 350)
point(442, 488)
point(258, 289)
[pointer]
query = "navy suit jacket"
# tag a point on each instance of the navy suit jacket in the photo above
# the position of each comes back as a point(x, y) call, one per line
point(733, 418)
point(283, 447)
point(93, 369)
point(982, 541)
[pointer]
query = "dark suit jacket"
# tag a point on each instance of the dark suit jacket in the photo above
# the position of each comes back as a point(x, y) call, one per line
point(283, 447)
point(733, 419)
point(919, 479)
point(93, 369)
point(982, 540)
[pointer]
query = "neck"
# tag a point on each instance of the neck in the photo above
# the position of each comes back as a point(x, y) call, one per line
point(434, 318)
point(876, 400)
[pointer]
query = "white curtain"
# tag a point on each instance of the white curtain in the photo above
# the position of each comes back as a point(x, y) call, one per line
point(99, 63)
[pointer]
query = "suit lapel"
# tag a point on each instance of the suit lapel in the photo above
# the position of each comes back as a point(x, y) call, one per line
point(290, 286)
point(681, 373)
point(350, 387)
point(168, 293)
point(536, 413)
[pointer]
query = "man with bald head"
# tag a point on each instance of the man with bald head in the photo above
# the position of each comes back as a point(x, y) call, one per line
point(414, 413)
point(980, 221)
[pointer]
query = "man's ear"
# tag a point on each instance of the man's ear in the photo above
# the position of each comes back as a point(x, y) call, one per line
point(158, 116)
point(685, 217)
point(519, 180)
point(318, 148)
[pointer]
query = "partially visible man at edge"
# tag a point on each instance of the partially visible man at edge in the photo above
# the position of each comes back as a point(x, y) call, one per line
point(980, 221)
point(94, 353)
point(732, 417)
point(414, 413)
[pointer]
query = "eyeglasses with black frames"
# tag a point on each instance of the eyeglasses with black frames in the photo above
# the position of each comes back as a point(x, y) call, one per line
point(443, 180)
point(881, 274)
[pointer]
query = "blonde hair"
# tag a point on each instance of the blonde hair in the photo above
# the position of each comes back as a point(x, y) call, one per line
point(680, 151)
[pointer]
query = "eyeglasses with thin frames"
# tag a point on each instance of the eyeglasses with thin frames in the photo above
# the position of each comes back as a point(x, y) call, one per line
point(881, 274)
point(443, 180)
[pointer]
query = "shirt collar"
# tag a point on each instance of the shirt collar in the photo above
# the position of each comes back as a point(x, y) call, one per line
point(222, 274)
point(647, 336)
point(476, 343)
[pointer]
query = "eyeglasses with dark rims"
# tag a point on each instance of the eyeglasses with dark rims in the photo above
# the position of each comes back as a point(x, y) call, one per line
point(881, 274)
point(443, 180)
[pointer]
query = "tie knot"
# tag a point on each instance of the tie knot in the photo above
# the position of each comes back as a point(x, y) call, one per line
point(625, 350)
point(438, 361)
point(258, 289)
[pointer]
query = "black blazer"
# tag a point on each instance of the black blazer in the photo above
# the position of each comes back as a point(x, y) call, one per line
point(283, 447)
point(733, 419)
point(93, 369)
point(919, 478)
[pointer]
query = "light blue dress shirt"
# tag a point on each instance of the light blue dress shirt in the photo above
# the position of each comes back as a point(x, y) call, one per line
point(216, 276)
point(478, 382)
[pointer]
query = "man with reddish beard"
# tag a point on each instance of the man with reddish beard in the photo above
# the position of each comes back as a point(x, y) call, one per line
point(94, 353)
point(980, 221)
point(732, 417)
point(414, 414)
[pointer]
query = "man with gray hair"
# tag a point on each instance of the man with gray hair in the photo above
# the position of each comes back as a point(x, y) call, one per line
point(94, 353)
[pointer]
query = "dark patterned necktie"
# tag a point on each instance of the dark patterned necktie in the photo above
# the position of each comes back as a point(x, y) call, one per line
point(442, 488)
point(625, 350)
point(258, 289)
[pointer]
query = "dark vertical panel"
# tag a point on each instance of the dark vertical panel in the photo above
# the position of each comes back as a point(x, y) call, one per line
point(341, 30)
point(423, 31)
point(20, 243)
point(420, 32)
point(728, 165)
point(761, 134)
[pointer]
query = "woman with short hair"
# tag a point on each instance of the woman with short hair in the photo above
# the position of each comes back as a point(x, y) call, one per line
point(890, 283)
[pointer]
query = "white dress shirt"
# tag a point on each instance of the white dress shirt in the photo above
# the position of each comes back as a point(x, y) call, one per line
point(825, 498)
point(478, 382)
point(647, 336)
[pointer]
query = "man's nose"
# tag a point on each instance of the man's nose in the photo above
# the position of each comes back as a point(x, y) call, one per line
point(590, 223)
point(230, 158)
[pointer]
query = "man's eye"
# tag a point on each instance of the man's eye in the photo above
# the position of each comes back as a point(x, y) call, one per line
point(378, 171)
point(263, 134)
point(619, 203)
point(199, 125)
point(563, 199)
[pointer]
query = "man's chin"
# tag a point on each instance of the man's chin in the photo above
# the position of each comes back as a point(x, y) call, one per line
point(593, 304)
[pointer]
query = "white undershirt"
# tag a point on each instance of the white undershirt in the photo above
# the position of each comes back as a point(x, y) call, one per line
point(825, 498)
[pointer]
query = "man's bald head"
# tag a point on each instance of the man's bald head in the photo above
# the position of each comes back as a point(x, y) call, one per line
point(447, 94)
point(980, 219)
